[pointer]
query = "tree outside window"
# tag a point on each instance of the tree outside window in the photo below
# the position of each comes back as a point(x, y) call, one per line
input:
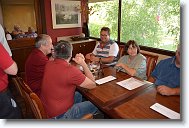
point(151, 23)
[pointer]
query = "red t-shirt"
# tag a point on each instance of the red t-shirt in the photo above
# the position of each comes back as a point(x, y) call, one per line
point(58, 87)
point(5, 62)
point(34, 68)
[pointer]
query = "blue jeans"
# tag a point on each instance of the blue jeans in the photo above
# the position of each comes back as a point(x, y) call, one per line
point(79, 109)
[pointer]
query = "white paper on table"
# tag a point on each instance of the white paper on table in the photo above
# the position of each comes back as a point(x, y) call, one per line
point(105, 79)
point(148, 82)
point(131, 83)
point(165, 111)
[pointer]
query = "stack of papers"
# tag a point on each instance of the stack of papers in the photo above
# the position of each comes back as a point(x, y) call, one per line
point(165, 111)
point(105, 79)
point(131, 83)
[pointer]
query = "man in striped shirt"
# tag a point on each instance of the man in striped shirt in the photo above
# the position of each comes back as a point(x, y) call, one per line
point(106, 50)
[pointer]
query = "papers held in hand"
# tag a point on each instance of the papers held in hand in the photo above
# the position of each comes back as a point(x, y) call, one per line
point(131, 83)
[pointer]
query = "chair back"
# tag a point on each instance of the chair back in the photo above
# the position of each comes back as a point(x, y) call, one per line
point(24, 86)
point(18, 86)
point(151, 61)
point(121, 50)
point(30, 98)
point(37, 106)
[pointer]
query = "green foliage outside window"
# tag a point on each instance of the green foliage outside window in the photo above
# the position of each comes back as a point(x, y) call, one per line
point(151, 23)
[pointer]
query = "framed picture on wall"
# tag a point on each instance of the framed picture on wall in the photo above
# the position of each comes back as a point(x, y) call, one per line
point(66, 13)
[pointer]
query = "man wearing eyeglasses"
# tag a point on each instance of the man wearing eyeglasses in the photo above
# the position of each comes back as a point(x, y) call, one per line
point(106, 50)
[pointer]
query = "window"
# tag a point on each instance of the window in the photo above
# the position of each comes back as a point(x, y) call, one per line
point(151, 23)
point(103, 14)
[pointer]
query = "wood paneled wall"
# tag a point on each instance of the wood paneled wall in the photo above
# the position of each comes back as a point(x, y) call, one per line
point(21, 48)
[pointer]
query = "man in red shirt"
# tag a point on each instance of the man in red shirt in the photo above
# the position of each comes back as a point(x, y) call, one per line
point(59, 84)
point(35, 63)
point(8, 107)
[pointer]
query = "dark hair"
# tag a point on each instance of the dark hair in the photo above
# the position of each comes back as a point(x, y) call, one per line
point(63, 49)
point(134, 44)
point(105, 29)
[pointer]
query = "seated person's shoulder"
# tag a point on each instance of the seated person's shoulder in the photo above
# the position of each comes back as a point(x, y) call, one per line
point(112, 42)
point(167, 60)
point(141, 56)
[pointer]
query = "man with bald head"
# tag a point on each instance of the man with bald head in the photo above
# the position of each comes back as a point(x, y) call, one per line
point(167, 75)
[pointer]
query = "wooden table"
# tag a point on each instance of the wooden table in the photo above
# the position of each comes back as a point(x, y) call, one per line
point(120, 103)
point(109, 95)
point(139, 107)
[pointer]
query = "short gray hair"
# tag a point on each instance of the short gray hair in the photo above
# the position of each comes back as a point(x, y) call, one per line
point(41, 40)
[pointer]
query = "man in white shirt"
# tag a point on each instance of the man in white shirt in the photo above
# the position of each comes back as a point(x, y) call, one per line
point(106, 50)
point(3, 40)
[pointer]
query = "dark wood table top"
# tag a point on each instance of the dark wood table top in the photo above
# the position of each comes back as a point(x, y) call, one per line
point(139, 106)
point(120, 103)
point(109, 94)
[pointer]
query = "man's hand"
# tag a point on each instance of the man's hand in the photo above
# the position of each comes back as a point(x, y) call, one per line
point(79, 59)
point(164, 90)
point(94, 59)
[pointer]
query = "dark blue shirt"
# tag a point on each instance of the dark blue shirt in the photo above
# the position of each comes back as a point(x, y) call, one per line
point(166, 73)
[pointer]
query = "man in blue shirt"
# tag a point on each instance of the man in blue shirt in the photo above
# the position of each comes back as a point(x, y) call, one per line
point(167, 75)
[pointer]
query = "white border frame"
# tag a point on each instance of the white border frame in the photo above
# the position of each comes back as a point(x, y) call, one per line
point(69, 5)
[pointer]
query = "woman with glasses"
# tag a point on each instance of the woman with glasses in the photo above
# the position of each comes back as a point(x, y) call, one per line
point(132, 63)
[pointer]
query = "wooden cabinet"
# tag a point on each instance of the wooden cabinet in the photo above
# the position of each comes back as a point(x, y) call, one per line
point(21, 48)
point(84, 48)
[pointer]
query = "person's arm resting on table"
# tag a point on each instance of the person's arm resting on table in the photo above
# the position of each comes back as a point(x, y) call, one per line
point(89, 80)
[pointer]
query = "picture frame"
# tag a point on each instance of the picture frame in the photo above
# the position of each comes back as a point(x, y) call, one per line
point(66, 15)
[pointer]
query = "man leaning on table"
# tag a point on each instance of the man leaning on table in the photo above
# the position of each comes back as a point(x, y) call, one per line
point(167, 75)
point(59, 85)
point(106, 50)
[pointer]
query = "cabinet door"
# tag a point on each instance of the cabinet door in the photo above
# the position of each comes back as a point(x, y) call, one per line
point(76, 49)
point(88, 47)
point(83, 48)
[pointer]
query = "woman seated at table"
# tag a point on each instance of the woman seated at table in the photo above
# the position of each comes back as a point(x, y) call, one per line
point(133, 63)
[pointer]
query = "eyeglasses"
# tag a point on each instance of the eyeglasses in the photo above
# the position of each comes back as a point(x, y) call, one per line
point(103, 35)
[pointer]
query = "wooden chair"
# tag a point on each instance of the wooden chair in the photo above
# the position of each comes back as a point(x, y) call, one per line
point(151, 61)
point(37, 106)
point(39, 111)
point(17, 85)
point(23, 102)
point(121, 50)
point(33, 101)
